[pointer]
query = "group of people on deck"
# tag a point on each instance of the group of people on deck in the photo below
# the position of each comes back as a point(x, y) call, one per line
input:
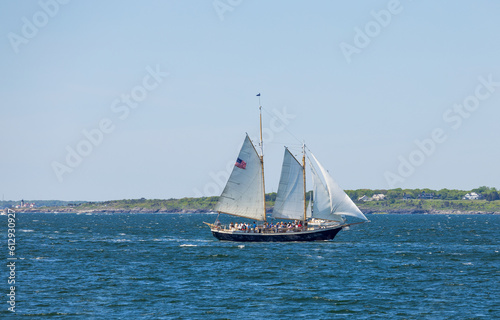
point(243, 227)
point(267, 227)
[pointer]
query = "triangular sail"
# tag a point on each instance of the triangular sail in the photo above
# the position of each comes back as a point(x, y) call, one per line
point(339, 201)
point(289, 202)
point(322, 208)
point(244, 192)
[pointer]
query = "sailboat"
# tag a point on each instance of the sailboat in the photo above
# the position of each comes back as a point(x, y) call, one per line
point(244, 196)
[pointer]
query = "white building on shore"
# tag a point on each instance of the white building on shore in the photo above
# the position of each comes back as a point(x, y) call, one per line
point(472, 196)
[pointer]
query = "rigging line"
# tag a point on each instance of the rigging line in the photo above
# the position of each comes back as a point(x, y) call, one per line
point(308, 158)
point(285, 144)
point(307, 149)
point(284, 126)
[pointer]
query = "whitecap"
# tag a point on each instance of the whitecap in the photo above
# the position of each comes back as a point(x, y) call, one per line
point(27, 230)
point(241, 246)
point(188, 245)
point(121, 240)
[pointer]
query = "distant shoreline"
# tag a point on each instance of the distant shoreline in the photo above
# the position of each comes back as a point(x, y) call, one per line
point(432, 212)
point(482, 200)
point(142, 210)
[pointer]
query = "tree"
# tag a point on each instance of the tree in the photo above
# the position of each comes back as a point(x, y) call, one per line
point(395, 193)
point(481, 190)
point(492, 196)
point(444, 194)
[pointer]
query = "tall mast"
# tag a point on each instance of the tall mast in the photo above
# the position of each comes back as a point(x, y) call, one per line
point(304, 175)
point(262, 161)
point(261, 141)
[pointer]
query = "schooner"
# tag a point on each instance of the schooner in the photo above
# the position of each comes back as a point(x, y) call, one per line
point(244, 196)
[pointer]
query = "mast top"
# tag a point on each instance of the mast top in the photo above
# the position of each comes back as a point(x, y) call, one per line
point(261, 140)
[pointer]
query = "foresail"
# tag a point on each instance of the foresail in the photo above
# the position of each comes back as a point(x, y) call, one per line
point(340, 202)
point(322, 208)
point(289, 202)
point(243, 194)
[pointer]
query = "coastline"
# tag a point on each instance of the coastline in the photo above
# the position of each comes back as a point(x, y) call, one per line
point(431, 212)
point(97, 211)
point(166, 211)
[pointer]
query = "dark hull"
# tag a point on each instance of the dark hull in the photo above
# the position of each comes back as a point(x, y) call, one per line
point(313, 235)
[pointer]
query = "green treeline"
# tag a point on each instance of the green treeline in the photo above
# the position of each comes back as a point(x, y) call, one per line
point(444, 199)
point(429, 205)
point(395, 199)
point(452, 201)
point(171, 205)
point(489, 194)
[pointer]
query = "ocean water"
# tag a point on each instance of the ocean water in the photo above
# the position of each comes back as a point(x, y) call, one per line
point(169, 266)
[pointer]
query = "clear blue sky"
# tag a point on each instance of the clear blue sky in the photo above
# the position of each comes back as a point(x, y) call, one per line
point(362, 84)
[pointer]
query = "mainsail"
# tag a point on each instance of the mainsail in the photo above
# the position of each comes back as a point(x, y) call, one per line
point(289, 202)
point(330, 201)
point(244, 192)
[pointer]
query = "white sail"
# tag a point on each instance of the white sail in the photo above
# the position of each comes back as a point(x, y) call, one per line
point(339, 201)
point(322, 205)
point(289, 202)
point(244, 192)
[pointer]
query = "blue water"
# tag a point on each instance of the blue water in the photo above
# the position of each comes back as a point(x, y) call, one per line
point(168, 266)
